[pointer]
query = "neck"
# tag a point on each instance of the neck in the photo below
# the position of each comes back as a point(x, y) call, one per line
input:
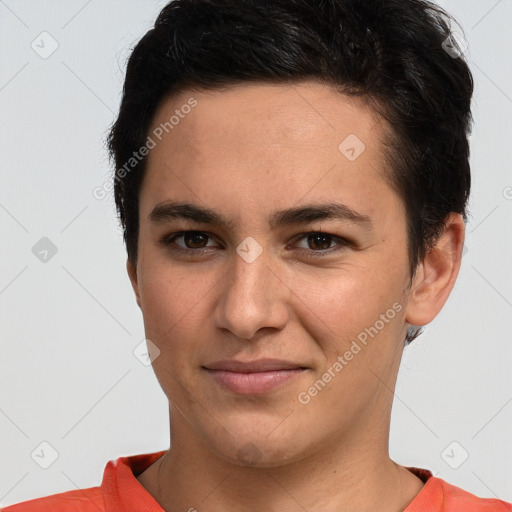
point(350, 477)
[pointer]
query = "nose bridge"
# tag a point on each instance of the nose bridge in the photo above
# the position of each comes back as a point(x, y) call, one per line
point(252, 296)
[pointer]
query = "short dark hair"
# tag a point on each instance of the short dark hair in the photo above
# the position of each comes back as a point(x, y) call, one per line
point(391, 53)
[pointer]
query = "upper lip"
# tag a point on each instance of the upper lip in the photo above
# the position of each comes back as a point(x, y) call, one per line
point(259, 365)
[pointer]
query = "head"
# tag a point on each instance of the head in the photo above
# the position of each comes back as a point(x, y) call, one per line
point(251, 126)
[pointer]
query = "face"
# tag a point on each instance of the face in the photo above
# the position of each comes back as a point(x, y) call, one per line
point(268, 231)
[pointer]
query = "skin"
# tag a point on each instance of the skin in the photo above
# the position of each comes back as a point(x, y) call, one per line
point(246, 152)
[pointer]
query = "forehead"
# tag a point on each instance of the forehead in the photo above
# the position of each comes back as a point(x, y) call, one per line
point(305, 114)
point(266, 143)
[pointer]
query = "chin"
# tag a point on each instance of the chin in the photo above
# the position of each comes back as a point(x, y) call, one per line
point(257, 451)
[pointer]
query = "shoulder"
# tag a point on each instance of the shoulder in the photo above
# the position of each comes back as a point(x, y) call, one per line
point(437, 495)
point(458, 499)
point(119, 490)
point(442, 496)
point(80, 500)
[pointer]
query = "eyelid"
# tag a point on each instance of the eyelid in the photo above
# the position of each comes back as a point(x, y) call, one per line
point(166, 240)
point(342, 242)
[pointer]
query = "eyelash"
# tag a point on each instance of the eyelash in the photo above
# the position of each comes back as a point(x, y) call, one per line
point(310, 253)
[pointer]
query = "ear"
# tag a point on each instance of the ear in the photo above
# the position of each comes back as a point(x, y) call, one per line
point(132, 273)
point(436, 274)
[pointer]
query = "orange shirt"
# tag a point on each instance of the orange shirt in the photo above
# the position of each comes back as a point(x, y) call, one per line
point(120, 491)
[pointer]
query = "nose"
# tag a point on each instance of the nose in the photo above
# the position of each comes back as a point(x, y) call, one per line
point(252, 297)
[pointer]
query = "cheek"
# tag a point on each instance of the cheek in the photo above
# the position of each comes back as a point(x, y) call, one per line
point(357, 317)
point(173, 317)
point(173, 304)
point(343, 301)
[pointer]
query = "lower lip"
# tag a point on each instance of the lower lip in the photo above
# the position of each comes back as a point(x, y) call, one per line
point(253, 383)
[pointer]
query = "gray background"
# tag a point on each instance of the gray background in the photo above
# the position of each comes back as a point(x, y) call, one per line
point(68, 326)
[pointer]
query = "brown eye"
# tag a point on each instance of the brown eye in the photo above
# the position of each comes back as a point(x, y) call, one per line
point(319, 241)
point(195, 239)
point(191, 240)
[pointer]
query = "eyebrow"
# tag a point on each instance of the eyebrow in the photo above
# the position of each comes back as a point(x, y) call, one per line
point(169, 210)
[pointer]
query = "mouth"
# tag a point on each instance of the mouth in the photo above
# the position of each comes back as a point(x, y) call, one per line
point(253, 377)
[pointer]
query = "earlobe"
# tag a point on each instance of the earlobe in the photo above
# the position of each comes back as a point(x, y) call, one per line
point(436, 274)
point(132, 274)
